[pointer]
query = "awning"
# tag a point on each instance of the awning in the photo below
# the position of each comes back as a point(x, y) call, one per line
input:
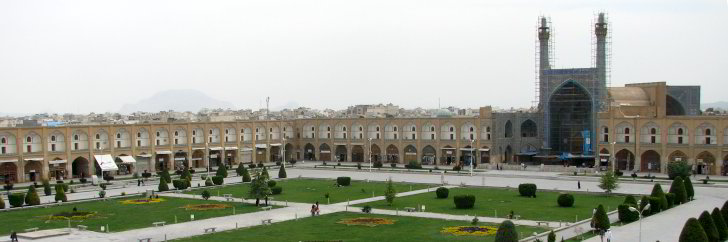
point(57, 162)
point(3, 161)
point(215, 148)
point(527, 153)
point(246, 149)
point(231, 148)
point(196, 158)
point(467, 149)
point(410, 153)
point(145, 156)
point(179, 158)
point(604, 154)
point(106, 162)
point(125, 159)
point(486, 150)
point(164, 152)
point(325, 151)
point(33, 159)
point(275, 144)
point(261, 146)
point(445, 148)
point(198, 148)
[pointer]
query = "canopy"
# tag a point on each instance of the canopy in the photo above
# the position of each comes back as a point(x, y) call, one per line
point(275, 144)
point(106, 162)
point(125, 159)
point(198, 148)
point(34, 159)
point(57, 162)
point(467, 149)
point(3, 161)
point(246, 149)
point(164, 152)
point(231, 148)
point(145, 156)
point(215, 148)
point(447, 148)
point(262, 146)
point(484, 149)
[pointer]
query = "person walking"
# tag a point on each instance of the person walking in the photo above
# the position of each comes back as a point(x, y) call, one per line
point(578, 184)
point(13, 236)
point(318, 209)
point(313, 210)
point(609, 235)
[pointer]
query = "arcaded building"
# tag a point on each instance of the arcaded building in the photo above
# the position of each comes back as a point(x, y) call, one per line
point(579, 121)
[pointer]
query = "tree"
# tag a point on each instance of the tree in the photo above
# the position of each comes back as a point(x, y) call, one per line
point(240, 169)
point(259, 188)
point(60, 194)
point(390, 192)
point(678, 188)
point(282, 172)
point(720, 224)
point(660, 195)
point(609, 182)
point(693, 232)
point(221, 171)
point(689, 191)
point(506, 232)
point(706, 221)
point(601, 220)
point(32, 198)
point(245, 174)
point(265, 173)
point(163, 187)
point(678, 169)
point(552, 237)
point(630, 200)
point(47, 188)
point(186, 175)
point(164, 174)
point(724, 211)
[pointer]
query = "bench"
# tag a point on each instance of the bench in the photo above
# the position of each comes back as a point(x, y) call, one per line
point(542, 222)
point(145, 239)
point(31, 230)
point(516, 217)
point(228, 197)
point(266, 208)
point(265, 221)
point(210, 230)
point(161, 223)
point(409, 209)
point(82, 227)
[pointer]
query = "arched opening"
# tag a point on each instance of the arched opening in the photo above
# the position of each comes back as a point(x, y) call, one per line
point(705, 163)
point(392, 154)
point(124, 168)
point(161, 162)
point(650, 161)
point(410, 154)
point(275, 153)
point(375, 153)
point(467, 155)
point(309, 152)
point(180, 160)
point(33, 170)
point(673, 107)
point(485, 154)
point(428, 155)
point(724, 170)
point(570, 114)
point(288, 154)
point(447, 156)
point(677, 156)
point(231, 157)
point(198, 159)
point(529, 129)
point(341, 153)
point(508, 129)
point(604, 157)
point(508, 154)
point(79, 167)
point(57, 168)
point(357, 153)
point(9, 172)
point(625, 160)
point(325, 152)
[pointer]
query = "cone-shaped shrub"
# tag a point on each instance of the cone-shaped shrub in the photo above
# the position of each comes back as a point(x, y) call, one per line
point(660, 195)
point(720, 224)
point(706, 221)
point(32, 198)
point(265, 173)
point(693, 232)
point(163, 187)
point(678, 188)
point(240, 169)
point(47, 188)
point(625, 215)
point(506, 232)
point(724, 212)
point(282, 172)
point(246, 175)
point(16, 199)
point(629, 199)
point(60, 194)
point(601, 221)
point(221, 171)
point(670, 199)
point(552, 237)
point(689, 191)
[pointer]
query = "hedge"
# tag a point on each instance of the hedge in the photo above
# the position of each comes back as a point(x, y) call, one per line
point(276, 190)
point(689, 191)
point(47, 188)
point(660, 195)
point(527, 189)
point(16, 199)
point(246, 175)
point(205, 194)
point(282, 172)
point(60, 194)
point(670, 199)
point(724, 211)
point(565, 200)
point(32, 198)
point(693, 232)
point(678, 169)
point(720, 224)
point(442, 192)
point(706, 221)
point(464, 201)
point(601, 220)
point(179, 184)
point(625, 215)
point(506, 232)
point(630, 200)
point(343, 181)
point(655, 206)
point(217, 180)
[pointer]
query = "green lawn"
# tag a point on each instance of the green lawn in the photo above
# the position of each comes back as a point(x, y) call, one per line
point(118, 216)
point(312, 190)
point(488, 200)
point(326, 228)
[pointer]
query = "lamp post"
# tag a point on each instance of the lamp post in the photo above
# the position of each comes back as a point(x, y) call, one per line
point(283, 150)
point(370, 155)
point(614, 158)
point(633, 209)
point(472, 157)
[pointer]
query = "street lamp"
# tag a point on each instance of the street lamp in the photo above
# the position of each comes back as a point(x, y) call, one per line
point(633, 209)
point(472, 158)
point(370, 154)
point(283, 153)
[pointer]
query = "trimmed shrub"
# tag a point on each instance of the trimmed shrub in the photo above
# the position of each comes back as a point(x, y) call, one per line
point(689, 191)
point(47, 188)
point(625, 215)
point(442, 192)
point(629, 199)
point(179, 184)
point(527, 189)
point(265, 173)
point(102, 194)
point(366, 209)
point(205, 194)
point(102, 186)
point(260, 165)
point(660, 195)
point(720, 224)
point(678, 169)
point(218, 180)
point(246, 175)
point(163, 187)
point(389, 194)
point(276, 190)
point(144, 175)
point(186, 174)
point(552, 236)
point(678, 188)
point(209, 183)
point(271, 183)
point(506, 232)
point(2, 203)
point(251, 166)
point(643, 203)
point(456, 168)
point(60, 194)
point(16, 199)
point(464, 201)
point(377, 164)
point(240, 169)
point(221, 171)
point(565, 200)
point(164, 174)
point(670, 199)
point(601, 221)
point(282, 172)
point(413, 165)
point(32, 198)
point(358, 165)
point(693, 232)
point(655, 205)
point(706, 221)
point(343, 181)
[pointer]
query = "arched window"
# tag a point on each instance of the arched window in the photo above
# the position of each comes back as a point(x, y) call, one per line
point(471, 129)
point(327, 129)
point(344, 129)
point(118, 135)
point(680, 131)
point(707, 131)
point(98, 136)
point(139, 134)
point(432, 129)
point(452, 129)
point(361, 129)
point(413, 128)
point(176, 133)
point(653, 131)
point(377, 128)
point(626, 130)
point(395, 128)
point(53, 138)
point(2, 140)
point(157, 133)
point(75, 137)
point(29, 139)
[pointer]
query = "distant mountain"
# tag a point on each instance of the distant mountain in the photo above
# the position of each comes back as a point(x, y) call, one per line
point(178, 100)
point(717, 105)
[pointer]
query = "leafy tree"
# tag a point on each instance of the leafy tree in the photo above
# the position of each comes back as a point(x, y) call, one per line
point(601, 220)
point(693, 232)
point(506, 232)
point(47, 188)
point(163, 187)
point(246, 175)
point(205, 194)
point(689, 191)
point(60, 194)
point(678, 169)
point(609, 182)
point(678, 188)
point(282, 172)
point(660, 195)
point(259, 188)
point(222, 171)
point(32, 198)
point(706, 221)
point(390, 192)
point(720, 224)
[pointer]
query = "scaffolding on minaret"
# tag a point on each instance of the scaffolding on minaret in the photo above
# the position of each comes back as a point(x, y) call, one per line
point(537, 62)
point(607, 53)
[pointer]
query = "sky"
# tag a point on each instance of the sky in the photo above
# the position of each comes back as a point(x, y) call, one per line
point(95, 56)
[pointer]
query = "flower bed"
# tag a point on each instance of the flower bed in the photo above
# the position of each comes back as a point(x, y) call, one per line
point(470, 230)
point(142, 201)
point(202, 207)
point(72, 215)
point(365, 221)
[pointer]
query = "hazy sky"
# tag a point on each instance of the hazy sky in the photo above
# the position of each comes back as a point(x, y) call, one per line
point(84, 56)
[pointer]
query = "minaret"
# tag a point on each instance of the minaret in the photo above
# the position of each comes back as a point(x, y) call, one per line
point(600, 30)
point(544, 33)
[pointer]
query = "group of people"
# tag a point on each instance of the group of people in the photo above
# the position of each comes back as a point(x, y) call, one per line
point(315, 209)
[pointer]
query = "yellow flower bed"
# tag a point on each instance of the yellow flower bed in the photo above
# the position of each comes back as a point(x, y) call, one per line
point(470, 230)
point(72, 216)
point(371, 222)
point(201, 207)
point(142, 201)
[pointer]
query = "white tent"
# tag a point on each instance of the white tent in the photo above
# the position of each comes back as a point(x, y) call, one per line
point(127, 159)
point(106, 162)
